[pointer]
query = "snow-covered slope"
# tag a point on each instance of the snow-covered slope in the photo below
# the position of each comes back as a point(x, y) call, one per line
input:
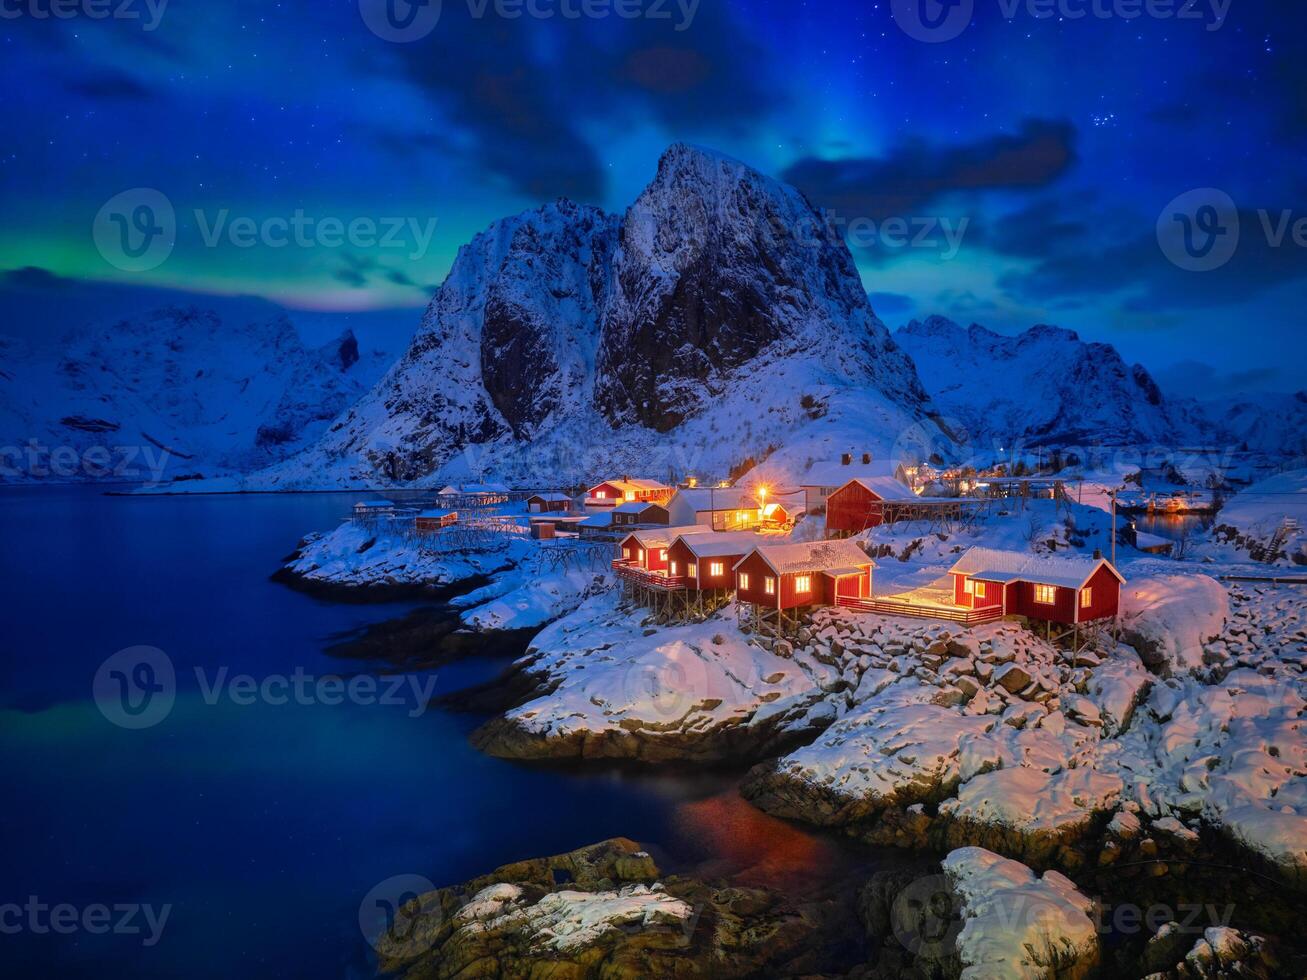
point(1043, 387)
point(179, 390)
point(704, 328)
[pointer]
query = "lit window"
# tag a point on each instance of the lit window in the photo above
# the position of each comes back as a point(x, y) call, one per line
point(716, 569)
point(627, 553)
point(1086, 598)
point(639, 555)
point(630, 495)
point(769, 585)
point(692, 571)
point(968, 586)
point(744, 580)
point(674, 568)
point(1047, 594)
point(980, 590)
point(662, 554)
point(803, 583)
point(601, 495)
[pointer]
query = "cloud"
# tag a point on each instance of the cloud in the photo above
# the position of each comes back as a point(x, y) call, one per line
point(1195, 379)
point(526, 94)
point(34, 277)
point(1135, 265)
point(891, 304)
point(916, 174)
point(109, 85)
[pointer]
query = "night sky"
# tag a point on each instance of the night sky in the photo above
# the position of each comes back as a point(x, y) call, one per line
point(1055, 144)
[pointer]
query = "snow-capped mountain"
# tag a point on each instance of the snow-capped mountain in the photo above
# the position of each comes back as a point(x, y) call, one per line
point(1044, 387)
point(1265, 423)
point(179, 390)
point(705, 327)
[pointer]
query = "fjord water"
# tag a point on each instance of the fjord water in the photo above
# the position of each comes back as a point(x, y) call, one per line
point(262, 827)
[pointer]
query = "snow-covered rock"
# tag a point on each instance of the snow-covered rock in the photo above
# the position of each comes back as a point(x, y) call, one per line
point(1017, 924)
point(1268, 520)
point(1168, 618)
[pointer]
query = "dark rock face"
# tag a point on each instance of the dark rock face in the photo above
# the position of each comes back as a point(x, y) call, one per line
point(540, 319)
point(718, 264)
point(349, 350)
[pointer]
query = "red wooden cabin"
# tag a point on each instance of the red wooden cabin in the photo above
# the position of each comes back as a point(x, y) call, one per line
point(548, 503)
point(790, 576)
point(640, 513)
point(648, 549)
point(1067, 590)
point(610, 493)
point(707, 561)
point(861, 504)
point(434, 520)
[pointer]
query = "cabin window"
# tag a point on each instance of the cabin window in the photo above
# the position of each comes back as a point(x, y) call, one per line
point(630, 495)
point(716, 569)
point(968, 586)
point(627, 553)
point(639, 555)
point(674, 568)
point(769, 585)
point(744, 580)
point(803, 583)
point(662, 554)
point(980, 590)
point(601, 495)
point(1086, 598)
point(692, 570)
point(1046, 594)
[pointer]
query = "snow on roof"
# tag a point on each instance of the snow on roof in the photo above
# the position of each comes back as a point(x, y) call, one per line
point(833, 473)
point(634, 507)
point(840, 572)
point(597, 520)
point(721, 545)
point(813, 556)
point(449, 490)
point(993, 565)
point(662, 537)
point(375, 503)
point(550, 497)
point(719, 498)
point(886, 487)
point(632, 485)
point(485, 488)
point(433, 514)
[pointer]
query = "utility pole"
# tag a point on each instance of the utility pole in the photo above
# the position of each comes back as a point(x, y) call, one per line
point(1113, 528)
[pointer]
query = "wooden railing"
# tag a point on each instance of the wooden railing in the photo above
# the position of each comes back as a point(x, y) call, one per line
point(632, 572)
point(885, 607)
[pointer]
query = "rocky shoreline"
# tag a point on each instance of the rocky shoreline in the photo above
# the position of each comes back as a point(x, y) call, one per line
point(1169, 771)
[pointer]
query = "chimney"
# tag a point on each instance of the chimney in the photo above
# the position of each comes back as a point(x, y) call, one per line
point(866, 459)
point(846, 459)
point(1098, 554)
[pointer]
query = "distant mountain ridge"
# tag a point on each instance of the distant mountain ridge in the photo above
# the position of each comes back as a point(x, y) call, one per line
point(1043, 387)
point(205, 393)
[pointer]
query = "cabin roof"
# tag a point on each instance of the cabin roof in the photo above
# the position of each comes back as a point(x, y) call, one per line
point(885, 487)
point(833, 473)
point(811, 556)
point(632, 485)
point(662, 537)
point(993, 565)
point(635, 507)
point(549, 497)
point(375, 503)
point(721, 545)
point(433, 514)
